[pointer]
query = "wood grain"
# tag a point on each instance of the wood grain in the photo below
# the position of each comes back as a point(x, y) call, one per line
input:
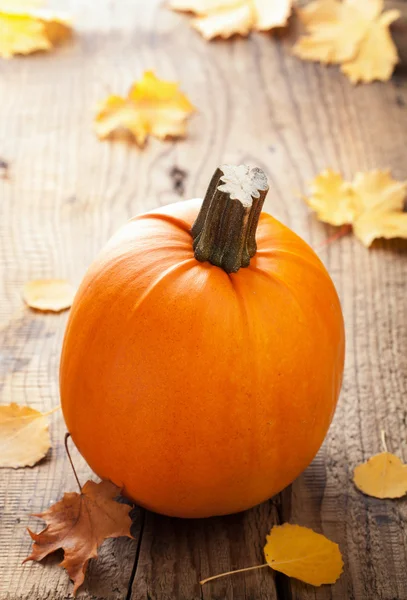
point(64, 195)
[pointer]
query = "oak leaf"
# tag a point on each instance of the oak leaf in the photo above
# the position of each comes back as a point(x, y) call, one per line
point(152, 107)
point(304, 554)
point(49, 295)
point(373, 203)
point(25, 28)
point(224, 18)
point(353, 33)
point(24, 436)
point(382, 476)
point(79, 523)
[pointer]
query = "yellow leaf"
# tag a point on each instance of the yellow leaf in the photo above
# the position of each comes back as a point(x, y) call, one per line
point(373, 203)
point(24, 436)
point(352, 33)
point(152, 107)
point(377, 54)
point(25, 29)
point(332, 198)
point(382, 476)
point(301, 553)
point(224, 18)
point(52, 295)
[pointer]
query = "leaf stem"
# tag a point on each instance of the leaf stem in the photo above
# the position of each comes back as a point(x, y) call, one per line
point(232, 573)
point(344, 230)
point(383, 439)
point(50, 412)
point(67, 436)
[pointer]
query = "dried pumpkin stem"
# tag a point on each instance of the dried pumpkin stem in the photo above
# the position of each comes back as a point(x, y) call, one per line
point(232, 573)
point(224, 232)
point(67, 436)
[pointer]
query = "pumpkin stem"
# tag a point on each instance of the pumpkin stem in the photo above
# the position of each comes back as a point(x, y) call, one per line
point(224, 232)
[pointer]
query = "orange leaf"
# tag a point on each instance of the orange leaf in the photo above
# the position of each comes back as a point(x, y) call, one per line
point(353, 33)
point(24, 436)
point(224, 18)
point(52, 295)
point(24, 28)
point(79, 523)
point(301, 553)
point(152, 107)
point(382, 476)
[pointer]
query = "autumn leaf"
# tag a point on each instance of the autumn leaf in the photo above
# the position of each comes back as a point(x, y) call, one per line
point(24, 436)
point(25, 28)
point(301, 553)
point(152, 107)
point(298, 552)
point(79, 523)
point(224, 18)
point(373, 203)
point(353, 33)
point(382, 476)
point(52, 295)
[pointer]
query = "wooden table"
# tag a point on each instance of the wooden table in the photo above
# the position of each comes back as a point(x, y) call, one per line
point(67, 192)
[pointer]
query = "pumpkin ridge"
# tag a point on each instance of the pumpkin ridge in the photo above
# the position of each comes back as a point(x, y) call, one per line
point(280, 282)
point(158, 280)
point(179, 223)
point(295, 257)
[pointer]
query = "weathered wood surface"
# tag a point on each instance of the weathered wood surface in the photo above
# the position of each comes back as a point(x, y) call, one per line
point(66, 194)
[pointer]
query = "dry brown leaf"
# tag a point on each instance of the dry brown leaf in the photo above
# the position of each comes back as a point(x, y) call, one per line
point(25, 28)
point(49, 295)
point(79, 524)
point(24, 436)
point(301, 553)
point(152, 107)
point(373, 203)
point(353, 33)
point(382, 476)
point(224, 18)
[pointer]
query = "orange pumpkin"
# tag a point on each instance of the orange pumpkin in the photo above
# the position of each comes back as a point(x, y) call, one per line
point(199, 372)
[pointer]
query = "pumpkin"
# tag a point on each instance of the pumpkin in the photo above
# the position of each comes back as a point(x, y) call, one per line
point(204, 352)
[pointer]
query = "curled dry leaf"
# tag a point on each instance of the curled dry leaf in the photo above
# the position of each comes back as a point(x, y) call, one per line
point(382, 476)
point(353, 33)
point(49, 295)
point(301, 553)
point(152, 107)
point(373, 203)
point(25, 28)
point(224, 18)
point(24, 436)
point(79, 523)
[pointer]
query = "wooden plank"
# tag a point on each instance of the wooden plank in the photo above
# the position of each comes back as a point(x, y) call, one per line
point(177, 553)
point(67, 193)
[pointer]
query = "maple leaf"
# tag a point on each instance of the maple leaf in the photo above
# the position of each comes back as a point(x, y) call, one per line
point(382, 476)
point(152, 107)
point(353, 33)
point(52, 295)
point(24, 28)
point(24, 436)
point(304, 554)
point(79, 523)
point(373, 203)
point(224, 18)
